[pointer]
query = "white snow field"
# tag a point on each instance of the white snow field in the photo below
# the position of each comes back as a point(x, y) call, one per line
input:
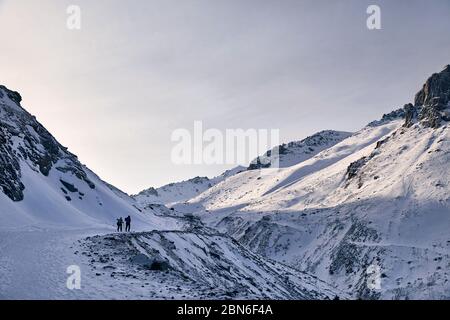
point(147, 265)
point(181, 191)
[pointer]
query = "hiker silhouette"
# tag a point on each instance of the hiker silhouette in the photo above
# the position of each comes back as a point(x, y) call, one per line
point(127, 224)
point(119, 224)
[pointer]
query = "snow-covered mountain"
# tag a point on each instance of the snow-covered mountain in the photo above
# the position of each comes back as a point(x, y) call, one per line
point(251, 185)
point(55, 213)
point(287, 155)
point(181, 191)
point(43, 184)
point(379, 198)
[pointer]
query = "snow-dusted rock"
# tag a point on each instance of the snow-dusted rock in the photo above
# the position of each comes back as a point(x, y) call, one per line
point(43, 184)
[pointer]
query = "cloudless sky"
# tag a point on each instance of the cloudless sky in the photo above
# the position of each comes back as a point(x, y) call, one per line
point(114, 91)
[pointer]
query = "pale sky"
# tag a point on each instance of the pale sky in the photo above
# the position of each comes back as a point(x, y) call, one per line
point(114, 91)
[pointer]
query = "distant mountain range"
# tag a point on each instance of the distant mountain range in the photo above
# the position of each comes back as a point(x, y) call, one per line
point(287, 155)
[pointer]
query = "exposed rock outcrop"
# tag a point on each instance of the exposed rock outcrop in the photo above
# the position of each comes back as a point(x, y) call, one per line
point(432, 103)
point(438, 85)
point(24, 139)
point(411, 114)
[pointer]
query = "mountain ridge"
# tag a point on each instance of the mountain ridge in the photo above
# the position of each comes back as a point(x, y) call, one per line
point(378, 198)
point(288, 154)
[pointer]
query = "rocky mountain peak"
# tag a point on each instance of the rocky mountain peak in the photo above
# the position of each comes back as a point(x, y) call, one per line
point(13, 95)
point(435, 89)
point(432, 103)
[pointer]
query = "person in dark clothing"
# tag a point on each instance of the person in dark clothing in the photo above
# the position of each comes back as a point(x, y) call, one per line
point(119, 224)
point(127, 224)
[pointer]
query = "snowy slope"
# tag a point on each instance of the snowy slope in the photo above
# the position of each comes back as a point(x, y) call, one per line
point(251, 185)
point(148, 265)
point(181, 191)
point(44, 185)
point(379, 198)
point(289, 154)
point(188, 265)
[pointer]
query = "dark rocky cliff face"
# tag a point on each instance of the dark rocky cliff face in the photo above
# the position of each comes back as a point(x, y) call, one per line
point(437, 86)
point(10, 173)
point(23, 140)
point(432, 103)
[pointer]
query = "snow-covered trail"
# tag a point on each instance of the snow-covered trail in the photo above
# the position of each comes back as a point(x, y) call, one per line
point(33, 264)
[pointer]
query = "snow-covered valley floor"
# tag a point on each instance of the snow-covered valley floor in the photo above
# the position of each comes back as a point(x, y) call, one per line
point(34, 263)
point(145, 265)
